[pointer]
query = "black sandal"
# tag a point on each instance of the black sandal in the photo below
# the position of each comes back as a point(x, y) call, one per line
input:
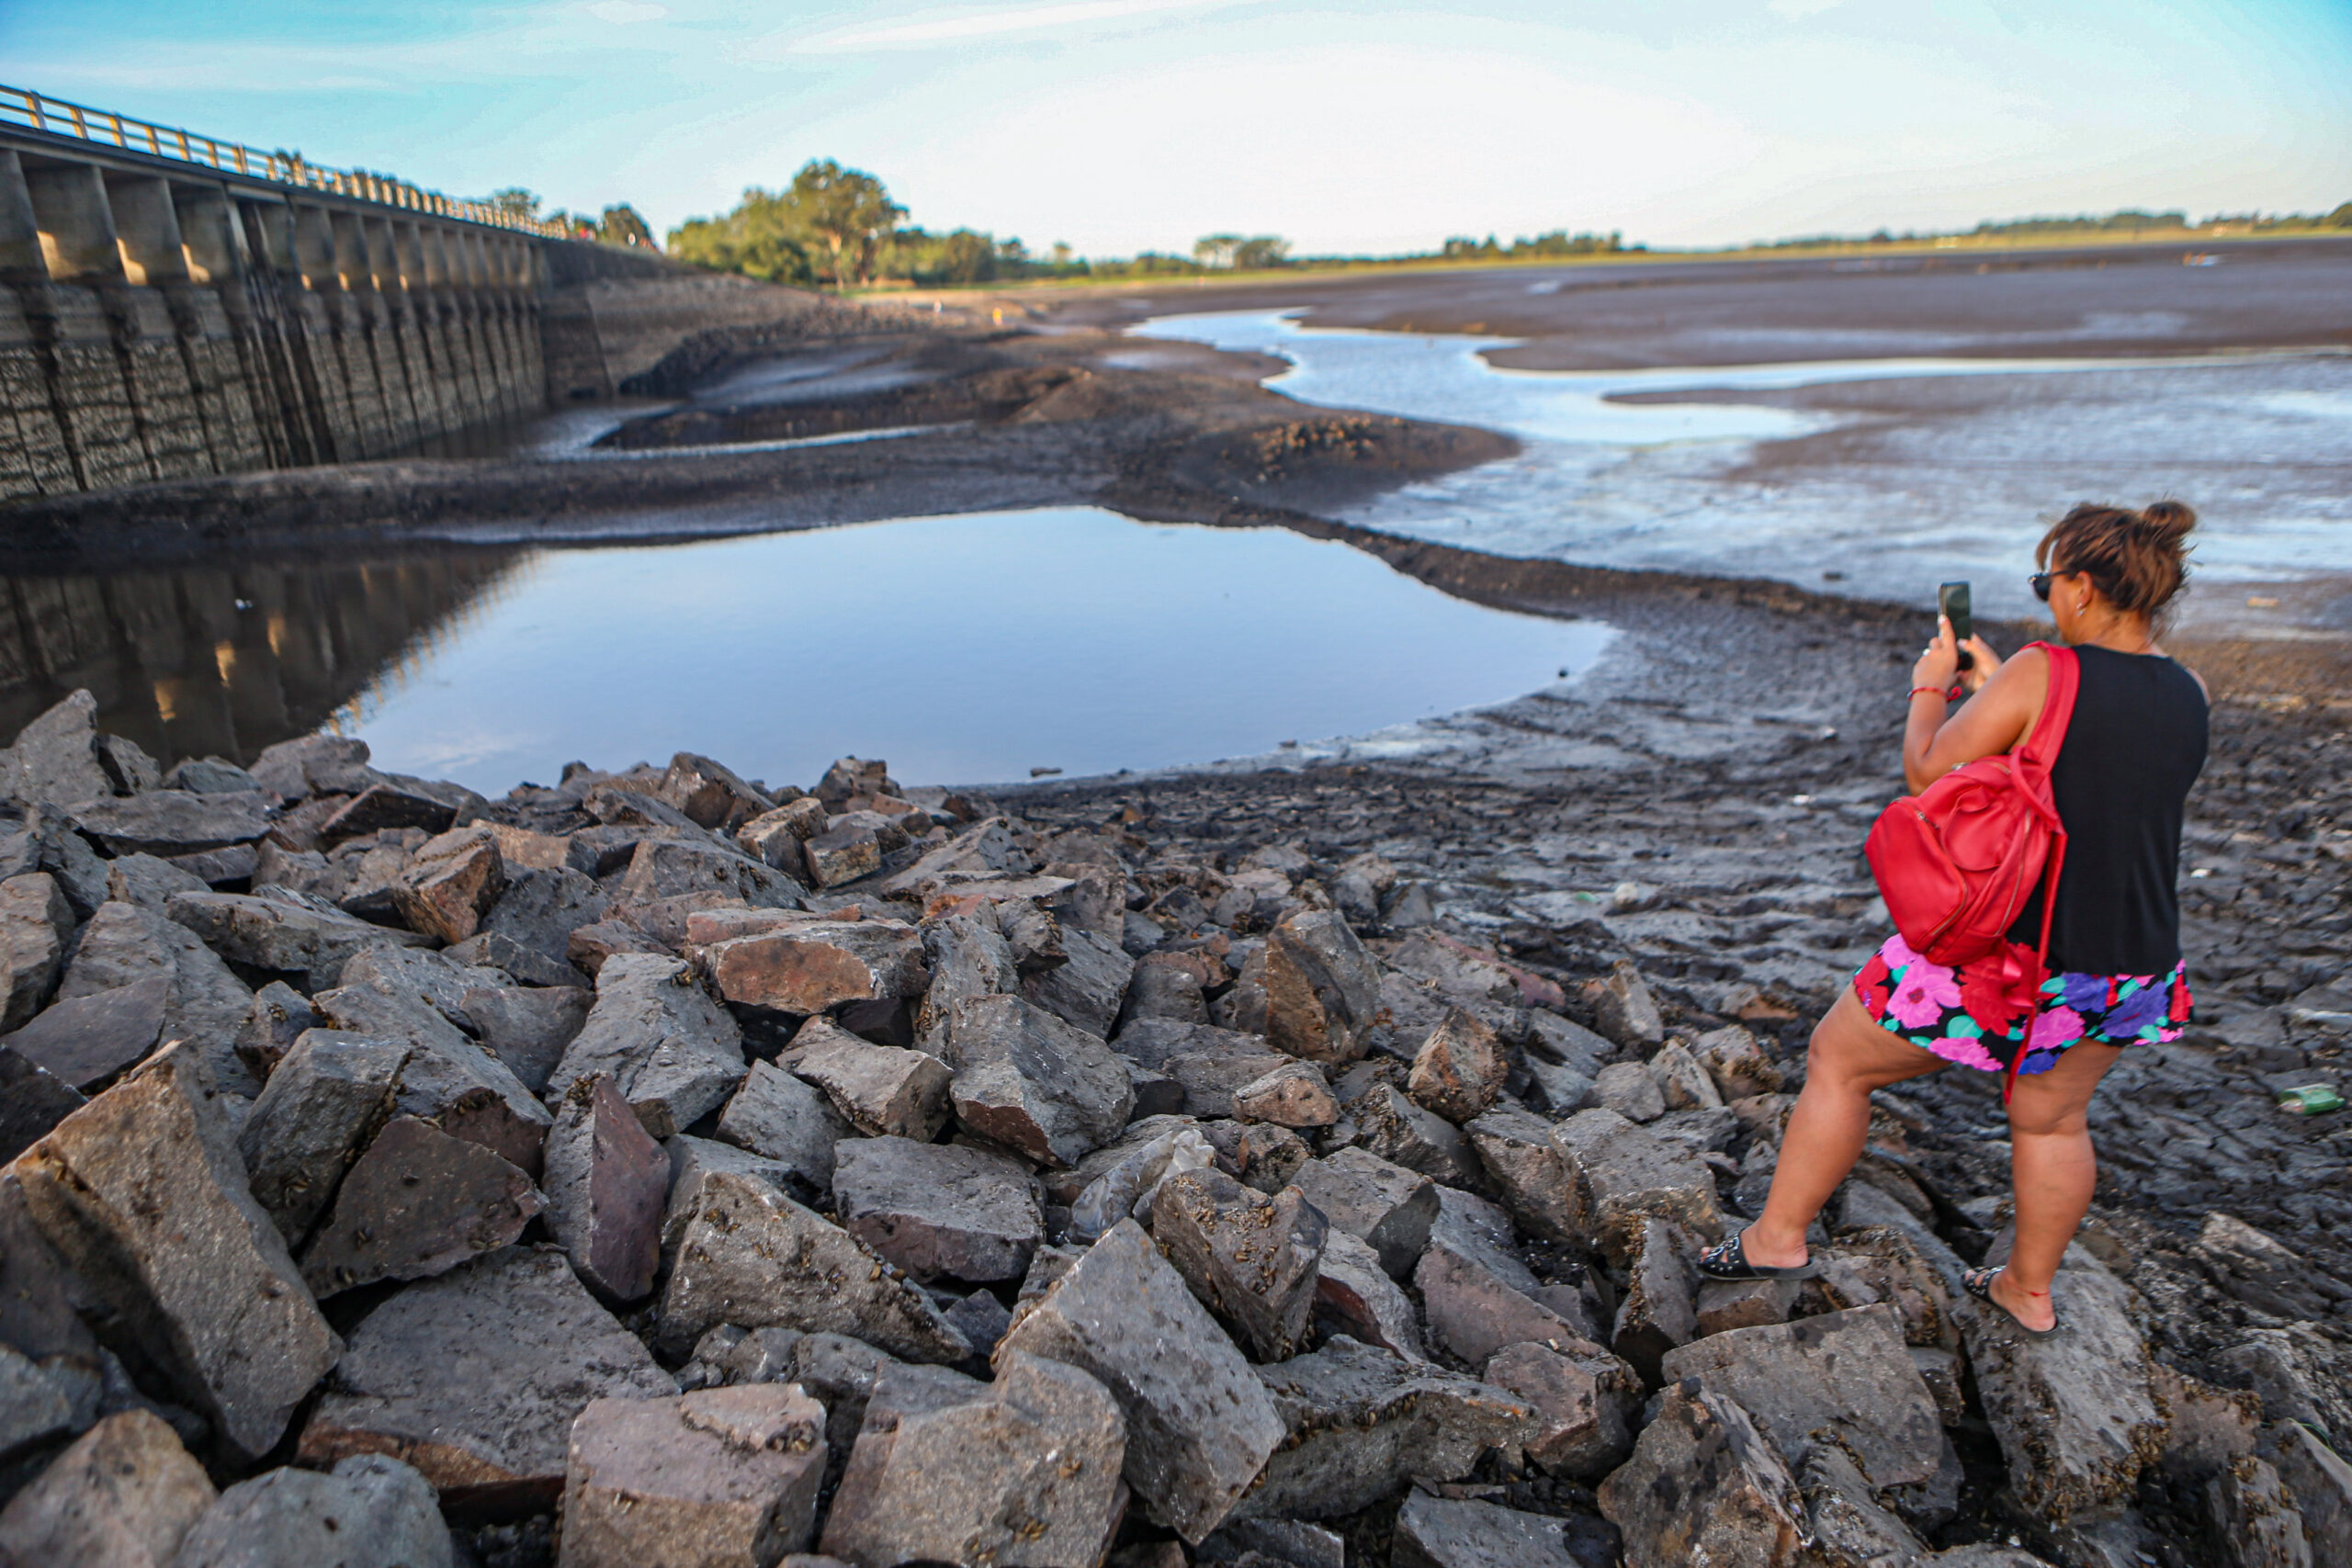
point(1978, 1282)
point(1728, 1261)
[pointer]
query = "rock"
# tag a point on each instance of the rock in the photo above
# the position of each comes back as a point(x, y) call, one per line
point(370, 1511)
point(810, 963)
point(129, 769)
point(939, 1210)
point(1252, 1261)
point(2255, 1523)
point(1441, 1532)
point(674, 867)
point(54, 759)
point(1515, 1149)
point(1357, 1422)
point(449, 1080)
point(1738, 1065)
point(606, 1182)
point(1025, 1472)
point(718, 1475)
point(45, 1401)
point(142, 1194)
point(672, 1052)
point(1725, 1305)
point(981, 1319)
point(474, 1378)
point(418, 1203)
point(265, 934)
point(1620, 1175)
point(1585, 1402)
point(1657, 1312)
point(209, 775)
point(1279, 1540)
point(1681, 1081)
point(1322, 988)
point(35, 921)
point(2322, 1484)
point(968, 958)
point(1034, 1084)
point(588, 947)
point(1208, 1079)
point(451, 885)
point(1473, 1308)
point(1848, 1371)
point(529, 1028)
point(2292, 1383)
point(754, 1258)
point(1167, 986)
point(1200, 1426)
point(400, 804)
point(124, 1496)
point(324, 1103)
point(2075, 1414)
point(1385, 1206)
point(278, 1017)
point(786, 1119)
point(693, 1160)
point(171, 822)
point(84, 1041)
point(1704, 1485)
point(148, 882)
point(124, 946)
point(1293, 1095)
point(883, 1090)
point(1085, 991)
point(710, 793)
point(1630, 1090)
point(314, 764)
point(1353, 1292)
point(1622, 1008)
point(31, 1103)
point(1269, 1156)
point(843, 852)
point(2259, 1270)
point(537, 915)
point(1400, 1132)
point(1460, 1069)
point(1849, 1527)
point(773, 837)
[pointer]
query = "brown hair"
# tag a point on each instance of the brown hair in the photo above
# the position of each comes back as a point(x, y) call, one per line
point(2137, 559)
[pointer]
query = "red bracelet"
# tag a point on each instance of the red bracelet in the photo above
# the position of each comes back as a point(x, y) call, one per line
point(1952, 696)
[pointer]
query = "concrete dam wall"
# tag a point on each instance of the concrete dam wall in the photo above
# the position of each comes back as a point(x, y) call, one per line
point(174, 307)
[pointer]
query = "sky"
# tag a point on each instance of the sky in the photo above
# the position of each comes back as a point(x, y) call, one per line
point(1356, 128)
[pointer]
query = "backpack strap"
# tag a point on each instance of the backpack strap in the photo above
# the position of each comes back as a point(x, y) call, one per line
point(2040, 752)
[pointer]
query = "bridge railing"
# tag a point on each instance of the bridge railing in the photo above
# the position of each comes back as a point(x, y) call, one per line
point(104, 128)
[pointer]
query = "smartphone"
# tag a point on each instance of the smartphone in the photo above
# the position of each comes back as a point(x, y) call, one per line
point(1951, 602)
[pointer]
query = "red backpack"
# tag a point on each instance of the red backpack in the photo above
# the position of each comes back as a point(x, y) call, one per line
point(1957, 862)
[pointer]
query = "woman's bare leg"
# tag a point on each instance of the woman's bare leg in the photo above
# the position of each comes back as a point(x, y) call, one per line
point(2053, 1168)
point(1849, 1056)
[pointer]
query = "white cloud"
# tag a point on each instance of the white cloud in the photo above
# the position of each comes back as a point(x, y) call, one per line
point(951, 27)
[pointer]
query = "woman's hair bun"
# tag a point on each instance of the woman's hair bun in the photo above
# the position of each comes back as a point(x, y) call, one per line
point(2170, 520)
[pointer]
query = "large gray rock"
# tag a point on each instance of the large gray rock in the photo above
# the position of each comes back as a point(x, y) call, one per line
point(1023, 1471)
point(527, 1028)
point(369, 1512)
point(1354, 1296)
point(1200, 1426)
point(1460, 1069)
point(1474, 1307)
point(2074, 1415)
point(1385, 1206)
point(475, 1377)
point(124, 1496)
point(670, 868)
point(1623, 1010)
point(125, 945)
point(448, 1080)
point(324, 1103)
point(418, 1203)
point(710, 793)
point(788, 962)
point(314, 764)
point(142, 1192)
point(55, 758)
point(1291, 1095)
point(939, 1210)
point(1251, 1259)
point(1401, 1132)
point(606, 1182)
point(718, 1475)
point(83, 1041)
point(1620, 1175)
point(883, 1090)
point(31, 1103)
point(1850, 1528)
point(786, 1119)
point(1657, 1309)
point(1706, 1485)
point(45, 1400)
point(968, 958)
point(1358, 1422)
point(1034, 1084)
point(2322, 1482)
point(1515, 1148)
point(1630, 1090)
point(1322, 987)
point(1087, 989)
point(289, 938)
point(692, 1160)
point(754, 1258)
point(673, 1052)
point(171, 821)
point(1584, 1399)
point(2255, 1522)
point(35, 923)
point(540, 910)
point(451, 884)
point(1847, 1372)
point(1441, 1533)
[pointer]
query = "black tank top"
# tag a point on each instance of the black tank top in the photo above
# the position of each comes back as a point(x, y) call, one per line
point(2135, 745)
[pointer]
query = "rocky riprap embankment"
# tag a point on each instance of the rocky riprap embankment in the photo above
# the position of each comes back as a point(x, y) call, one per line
point(660, 1168)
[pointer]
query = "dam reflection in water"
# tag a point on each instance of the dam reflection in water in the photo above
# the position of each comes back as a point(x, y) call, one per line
point(963, 649)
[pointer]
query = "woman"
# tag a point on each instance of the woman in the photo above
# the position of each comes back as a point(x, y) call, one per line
point(2134, 746)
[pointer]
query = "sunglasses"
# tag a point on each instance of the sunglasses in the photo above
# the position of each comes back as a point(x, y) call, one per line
point(2040, 580)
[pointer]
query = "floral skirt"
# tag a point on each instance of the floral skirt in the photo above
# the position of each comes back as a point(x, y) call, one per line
point(1972, 1015)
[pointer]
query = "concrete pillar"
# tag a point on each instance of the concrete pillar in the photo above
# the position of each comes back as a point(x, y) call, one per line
point(351, 253)
point(408, 253)
point(148, 229)
point(315, 251)
point(276, 223)
point(383, 259)
point(209, 234)
point(77, 236)
point(20, 257)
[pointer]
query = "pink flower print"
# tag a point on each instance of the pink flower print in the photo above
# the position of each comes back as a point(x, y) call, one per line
point(1898, 952)
point(2056, 1030)
point(1922, 994)
point(1967, 1051)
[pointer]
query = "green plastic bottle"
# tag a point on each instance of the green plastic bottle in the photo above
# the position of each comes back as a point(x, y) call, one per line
point(2311, 1100)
